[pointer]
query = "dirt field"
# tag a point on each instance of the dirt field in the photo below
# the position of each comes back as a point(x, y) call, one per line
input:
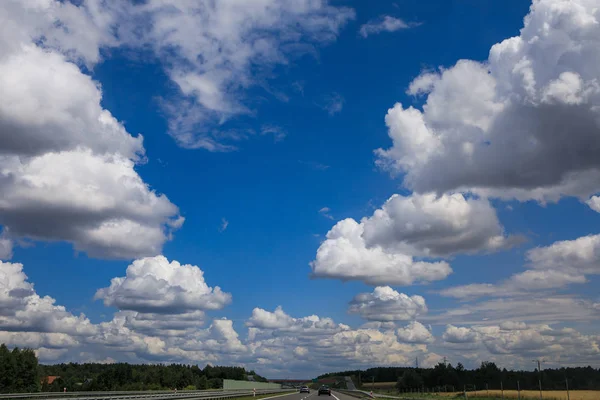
point(533, 394)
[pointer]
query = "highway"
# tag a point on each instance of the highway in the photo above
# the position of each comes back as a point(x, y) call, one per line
point(182, 395)
point(313, 396)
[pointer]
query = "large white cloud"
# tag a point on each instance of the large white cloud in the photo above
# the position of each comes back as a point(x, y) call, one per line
point(522, 125)
point(581, 255)
point(344, 255)
point(381, 249)
point(155, 285)
point(66, 164)
point(97, 202)
point(428, 225)
point(386, 304)
point(415, 332)
point(48, 105)
point(280, 322)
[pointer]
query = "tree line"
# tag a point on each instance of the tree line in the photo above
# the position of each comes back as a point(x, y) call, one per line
point(21, 372)
point(444, 376)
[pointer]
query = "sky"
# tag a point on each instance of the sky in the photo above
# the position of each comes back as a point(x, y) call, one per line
point(301, 186)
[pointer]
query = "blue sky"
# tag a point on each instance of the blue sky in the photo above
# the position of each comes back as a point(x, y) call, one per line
point(261, 124)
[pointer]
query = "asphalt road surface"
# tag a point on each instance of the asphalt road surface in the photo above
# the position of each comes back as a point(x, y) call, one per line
point(313, 396)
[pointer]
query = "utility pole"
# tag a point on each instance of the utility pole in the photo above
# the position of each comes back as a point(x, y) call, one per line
point(417, 362)
point(539, 363)
point(567, 383)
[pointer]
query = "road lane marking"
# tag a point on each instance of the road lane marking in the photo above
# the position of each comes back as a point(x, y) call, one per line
point(280, 395)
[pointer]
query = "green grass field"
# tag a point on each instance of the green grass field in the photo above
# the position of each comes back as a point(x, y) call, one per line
point(497, 394)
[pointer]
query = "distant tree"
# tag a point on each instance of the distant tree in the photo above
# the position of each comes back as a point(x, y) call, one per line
point(411, 379)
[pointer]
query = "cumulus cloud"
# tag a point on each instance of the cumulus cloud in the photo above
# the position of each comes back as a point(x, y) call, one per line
point(156, 285)
point(381, 248)
point(414, 332)
point(522, 125)
point(556, 345)
point(277, 338)
point(428, 225)
point(455, 334)
point(581, 255)
point(344, 255)
point(283, 323)
point(561, 264)
point(23, 310)
point(385, 23)
point(66, 164)
point(386, 304)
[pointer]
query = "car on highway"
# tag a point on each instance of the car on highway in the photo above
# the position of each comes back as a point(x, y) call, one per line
point(324, 390)
point(304, 389)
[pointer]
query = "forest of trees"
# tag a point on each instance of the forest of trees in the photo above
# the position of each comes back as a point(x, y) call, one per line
point(20, 372)
point(488, 373)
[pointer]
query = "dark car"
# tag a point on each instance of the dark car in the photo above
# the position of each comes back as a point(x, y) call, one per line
point(304, 389)
point(324, 390)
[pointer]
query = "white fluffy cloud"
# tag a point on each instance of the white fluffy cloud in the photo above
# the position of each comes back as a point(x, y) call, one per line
point(385, 23)
point(386, 304)
point(558, 265)
point(581, 255)
point(97, 202)
point(282, 323)
point(455, 334)
point(23, 310)
point(414, 332)
point(428, 225)
point(556, 345)
point(380, 249)
point(344, 255)
point(282, 341)
point(155, 285)
point(66, 164)
point(276, 340)
point(75, 30)
point(522, 125)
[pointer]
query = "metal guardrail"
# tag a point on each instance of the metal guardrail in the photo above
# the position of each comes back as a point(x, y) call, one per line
point(155, 395)
point(108, 393)
point(367, 395)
